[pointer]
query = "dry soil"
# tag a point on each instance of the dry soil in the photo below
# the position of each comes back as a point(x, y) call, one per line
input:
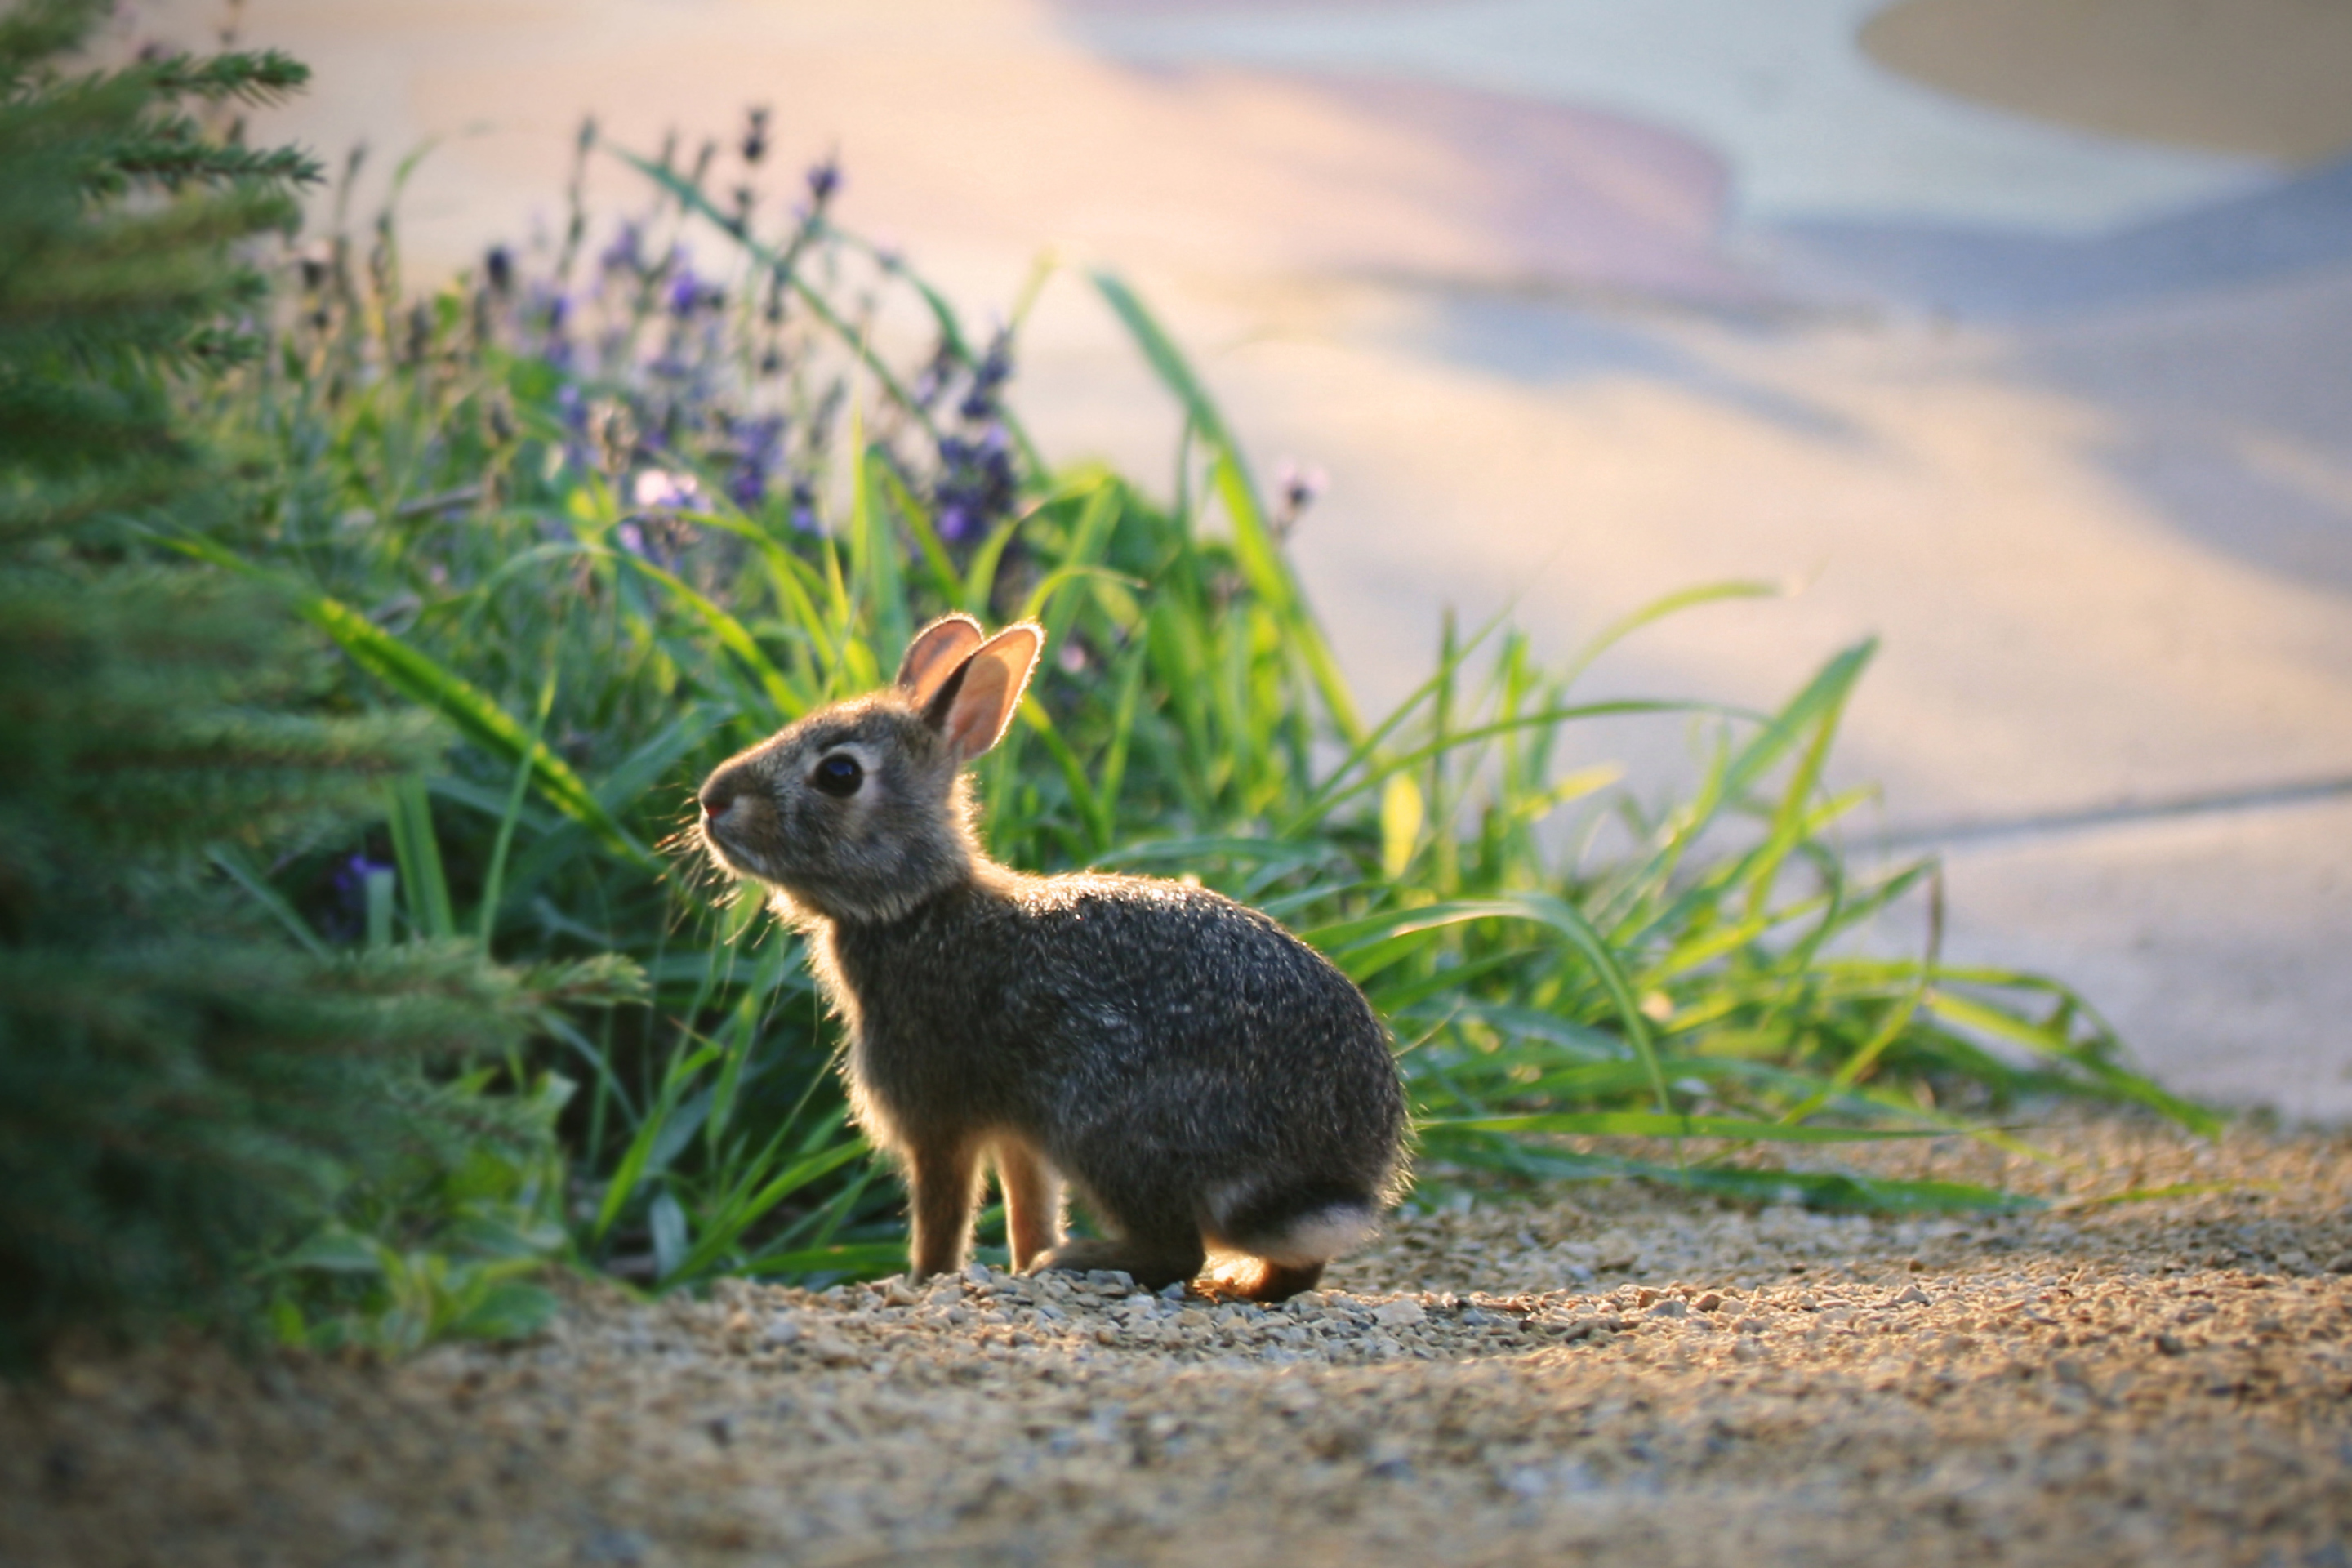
point(1615, 1375)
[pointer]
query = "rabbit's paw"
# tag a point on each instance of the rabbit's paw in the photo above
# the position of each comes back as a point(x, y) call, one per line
point(1262, 1279)
point(1152, 1268)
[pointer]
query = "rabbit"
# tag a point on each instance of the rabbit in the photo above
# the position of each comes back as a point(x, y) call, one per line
point(1202, 1080)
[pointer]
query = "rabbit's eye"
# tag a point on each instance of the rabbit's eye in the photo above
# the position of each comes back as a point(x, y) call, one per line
point(839, 776)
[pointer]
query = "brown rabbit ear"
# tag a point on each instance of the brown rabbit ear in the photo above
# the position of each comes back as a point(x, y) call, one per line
point(976, 702)
point(934, 655)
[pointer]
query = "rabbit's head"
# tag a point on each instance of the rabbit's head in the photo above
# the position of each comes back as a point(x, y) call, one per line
point(860, 812)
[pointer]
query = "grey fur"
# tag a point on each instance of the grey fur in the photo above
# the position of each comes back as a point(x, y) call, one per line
point(1201, 1077)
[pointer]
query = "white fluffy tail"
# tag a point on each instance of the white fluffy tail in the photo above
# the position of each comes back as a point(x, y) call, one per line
point(1299, 1239)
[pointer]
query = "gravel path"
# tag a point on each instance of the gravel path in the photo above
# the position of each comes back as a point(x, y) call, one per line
point(1618, 1374)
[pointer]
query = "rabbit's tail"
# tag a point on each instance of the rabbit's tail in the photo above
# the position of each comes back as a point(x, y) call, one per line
point(1298, 1227)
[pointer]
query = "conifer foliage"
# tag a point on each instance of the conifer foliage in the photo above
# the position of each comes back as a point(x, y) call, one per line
point(188, 1077)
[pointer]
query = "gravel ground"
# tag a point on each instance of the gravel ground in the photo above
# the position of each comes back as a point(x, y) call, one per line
point(1615, 1375)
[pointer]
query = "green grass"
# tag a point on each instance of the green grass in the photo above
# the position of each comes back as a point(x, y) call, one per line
point(449, 489)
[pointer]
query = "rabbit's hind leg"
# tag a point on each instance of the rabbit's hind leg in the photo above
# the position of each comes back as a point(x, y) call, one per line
point(1154, 1261)
point(1285, 1236)
point(1033, 1201)
point(1256, 1279)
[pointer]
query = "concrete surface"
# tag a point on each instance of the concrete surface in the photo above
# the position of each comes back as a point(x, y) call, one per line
point(1579, 302)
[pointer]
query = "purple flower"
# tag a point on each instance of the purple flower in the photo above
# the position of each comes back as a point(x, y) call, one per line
point(757, 449)
point(547, 310)
point(981, 401)
point(351, 888)
point(687, 293)
point(573, 407)
point(755, 136)
point(352, 875)
point(824, 179)
point(977, 484)
point(627, 253)
point(933, 378)
point(497, 267)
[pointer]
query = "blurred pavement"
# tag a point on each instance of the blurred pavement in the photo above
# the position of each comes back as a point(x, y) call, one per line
point(1579, 301)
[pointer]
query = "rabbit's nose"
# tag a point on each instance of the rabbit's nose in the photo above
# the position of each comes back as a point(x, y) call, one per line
point(718, 795)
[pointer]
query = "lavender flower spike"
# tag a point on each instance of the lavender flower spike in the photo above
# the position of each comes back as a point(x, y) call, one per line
point(824, 179)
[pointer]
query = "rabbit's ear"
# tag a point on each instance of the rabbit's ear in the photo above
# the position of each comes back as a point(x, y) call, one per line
point(934, 655)
point(976, 702)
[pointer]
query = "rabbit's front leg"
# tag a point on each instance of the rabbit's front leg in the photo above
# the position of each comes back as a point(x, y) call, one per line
point(1033, 1202)
point(942, 1179)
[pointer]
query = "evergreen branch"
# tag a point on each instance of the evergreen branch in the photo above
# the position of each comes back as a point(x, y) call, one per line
point(38, 30)
point(261, 77)
point(147, 283)
point(51, 424)
point(63, 503)
point(171, 159)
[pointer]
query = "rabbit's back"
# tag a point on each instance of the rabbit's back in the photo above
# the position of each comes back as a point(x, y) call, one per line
point(1121, 1021)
